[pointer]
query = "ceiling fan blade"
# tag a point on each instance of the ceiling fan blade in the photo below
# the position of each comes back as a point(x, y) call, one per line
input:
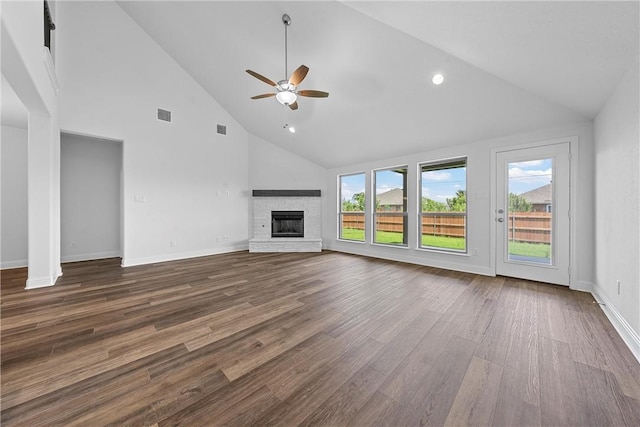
point(294, 106)
point(264, 95)
point(261, 77)
point(298, 75)
point(313, 93)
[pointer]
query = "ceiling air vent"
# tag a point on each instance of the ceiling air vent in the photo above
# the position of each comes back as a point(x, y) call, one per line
point(164, 115)
point(222, 129)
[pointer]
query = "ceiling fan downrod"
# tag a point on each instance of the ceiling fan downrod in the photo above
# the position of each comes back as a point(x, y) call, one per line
point(286, 20)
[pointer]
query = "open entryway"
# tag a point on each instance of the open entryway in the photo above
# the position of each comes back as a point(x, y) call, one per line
point(90, 198)
point(532, 213)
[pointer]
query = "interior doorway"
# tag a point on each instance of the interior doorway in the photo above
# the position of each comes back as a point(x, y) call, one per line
point(90, 197)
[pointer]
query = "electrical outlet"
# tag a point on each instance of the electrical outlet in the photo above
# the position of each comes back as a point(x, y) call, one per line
point(218, 238)
point(172, 243)
point(475, 252)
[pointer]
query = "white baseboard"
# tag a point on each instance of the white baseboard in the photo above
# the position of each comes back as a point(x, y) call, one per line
point(581, 286)
point(626, 332)
point(41, 282)
point(130, 262)
point(7, 265)
point(405, 255)
point(89, 257)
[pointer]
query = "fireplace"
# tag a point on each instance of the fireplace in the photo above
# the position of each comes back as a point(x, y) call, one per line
point(287, 223)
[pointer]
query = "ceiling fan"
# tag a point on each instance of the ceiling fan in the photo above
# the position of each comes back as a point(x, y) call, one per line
point(287, 90)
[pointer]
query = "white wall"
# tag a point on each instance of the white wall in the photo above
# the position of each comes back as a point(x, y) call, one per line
point(28, 68)
point(13, 147)
point(89, 198)
point(273, 168)
point(479, 210)
point(185, 186)
point(617, 167)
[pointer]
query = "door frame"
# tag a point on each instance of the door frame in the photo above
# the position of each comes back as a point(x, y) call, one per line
point(122, 212)
point(573, 182)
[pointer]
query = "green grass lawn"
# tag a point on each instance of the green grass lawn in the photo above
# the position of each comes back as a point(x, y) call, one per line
point(539, 250)
point(352, 234)
point(387, 237)
point(443, 242)
point(391, 238)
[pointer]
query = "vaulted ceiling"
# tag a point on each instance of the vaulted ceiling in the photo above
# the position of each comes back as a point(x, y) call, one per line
point(509, 67)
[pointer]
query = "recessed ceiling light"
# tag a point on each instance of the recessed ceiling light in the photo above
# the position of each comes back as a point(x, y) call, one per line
point(437, 79)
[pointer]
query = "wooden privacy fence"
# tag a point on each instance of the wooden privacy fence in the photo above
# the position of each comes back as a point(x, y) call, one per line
point(449, 224)
point(530, 227)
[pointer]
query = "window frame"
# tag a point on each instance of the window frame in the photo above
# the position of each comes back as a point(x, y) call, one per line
point(435, 165)
point(404, 213)
point(341, 212)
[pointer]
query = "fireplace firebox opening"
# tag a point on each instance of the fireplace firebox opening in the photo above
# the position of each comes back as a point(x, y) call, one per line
point(287, 223)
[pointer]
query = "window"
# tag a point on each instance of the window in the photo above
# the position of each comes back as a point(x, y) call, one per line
point(443, 207)
point(390, 213)
point(352, 204)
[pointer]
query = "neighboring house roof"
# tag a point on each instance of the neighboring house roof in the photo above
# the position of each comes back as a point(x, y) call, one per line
point(538, 196)
point(391, 198)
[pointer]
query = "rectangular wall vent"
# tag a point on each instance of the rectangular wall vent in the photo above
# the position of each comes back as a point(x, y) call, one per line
point(222, 129)
point(164, 115)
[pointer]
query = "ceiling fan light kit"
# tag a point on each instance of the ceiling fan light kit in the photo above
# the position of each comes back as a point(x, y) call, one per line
point(286, 93)
point(287, 90)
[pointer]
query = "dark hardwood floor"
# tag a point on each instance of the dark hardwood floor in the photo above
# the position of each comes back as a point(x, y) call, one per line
point(324, 339)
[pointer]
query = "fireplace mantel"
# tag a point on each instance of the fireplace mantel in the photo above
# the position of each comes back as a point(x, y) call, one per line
point(286, 193)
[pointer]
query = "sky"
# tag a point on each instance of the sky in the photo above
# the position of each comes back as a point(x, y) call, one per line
point(525, 176)
point(439, 185)
point(443, 184)
point(352, 184)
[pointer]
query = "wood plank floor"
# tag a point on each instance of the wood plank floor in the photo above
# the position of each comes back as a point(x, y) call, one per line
point(324, 339)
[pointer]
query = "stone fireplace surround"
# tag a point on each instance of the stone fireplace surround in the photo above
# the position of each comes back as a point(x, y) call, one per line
point(265, 201)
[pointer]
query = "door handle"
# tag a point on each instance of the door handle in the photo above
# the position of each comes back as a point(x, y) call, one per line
point(500, 219)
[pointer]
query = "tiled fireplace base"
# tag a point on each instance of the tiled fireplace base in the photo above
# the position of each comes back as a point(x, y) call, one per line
point(285, 245)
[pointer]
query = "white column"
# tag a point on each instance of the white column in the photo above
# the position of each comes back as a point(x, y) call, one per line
point(43, 210)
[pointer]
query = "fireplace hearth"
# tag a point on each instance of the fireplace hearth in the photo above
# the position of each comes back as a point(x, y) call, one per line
point(287, 223)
